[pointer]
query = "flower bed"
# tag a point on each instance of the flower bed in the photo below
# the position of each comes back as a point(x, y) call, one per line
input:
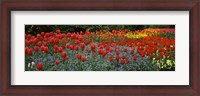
point(118, 50)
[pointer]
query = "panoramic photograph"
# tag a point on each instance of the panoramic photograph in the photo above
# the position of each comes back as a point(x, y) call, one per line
point(99, 47)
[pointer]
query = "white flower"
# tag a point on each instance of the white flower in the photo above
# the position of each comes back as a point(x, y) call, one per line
point(33, 63)
point(29, 64)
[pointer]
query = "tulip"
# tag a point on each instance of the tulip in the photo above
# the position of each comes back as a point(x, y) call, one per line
point(117, 58)
point(76, 48)
point(65, 58)
point(92, 46)
point(39, 66)
point(71, 47)
point(82, 46)
point(134, 57)
point(172, 55)
point(39, 43)
point(35, 40)
point(60, 49)
point(83, 59)
point(132, 51)
point(27, 43)
point(42, 33)
point(123, 61)
point(57, 62)
point(151, 56)
point(46, 49)
point(36, 48)
point(125, 50)
point(79, 56)
point(117, 52)
point(127, 60)
point(123, 57)
point(52, 41)
point(29, 52)
point(57, 31)
point(157, 57)
point(110, 58)
point(63, 54)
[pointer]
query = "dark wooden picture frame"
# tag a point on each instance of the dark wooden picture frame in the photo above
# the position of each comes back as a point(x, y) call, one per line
point(99, 5)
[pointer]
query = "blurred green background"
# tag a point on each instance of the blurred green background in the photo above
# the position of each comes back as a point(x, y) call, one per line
point(35, 29)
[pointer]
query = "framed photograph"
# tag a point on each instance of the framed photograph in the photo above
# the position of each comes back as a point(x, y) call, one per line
point(123, 47)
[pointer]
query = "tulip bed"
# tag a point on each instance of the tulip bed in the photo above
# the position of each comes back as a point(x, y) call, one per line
point(118, 50)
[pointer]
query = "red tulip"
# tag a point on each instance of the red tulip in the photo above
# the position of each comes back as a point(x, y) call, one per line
point(57, 31)
point(68, 34)
point(77, 42)
point(81, 32)
point(29, 36)
point(63, 54)
point(110, 50)
point(104, 54)
point(134, 57)
point(76, 48)
point(92, 46)
point(125, 50)
point(157, 57)
point(36, 48)
point(56, 40)
point(166, 54)
point(51, 40)
point(82, 46)
point(142, 55)
point(55, 51)
point(161, 54)
point(117, 58)
point(60, 49)
point(27, 43)
point(111, 58)
point(42, 33)
point(71, 47)
point(42, 48)
point(46, 49)
point(35, 40)
point(123, 61)
point(132, 51)
point(39, 66)
point(55, 46)
point(83, 59)
point(172, 55)
point(29, 51)
point(67, 45)
point(100, 51)
point(79, 56)
point(123, 57)
point(127, 60)
point(150, 56)
point(57, 62)
point(107, 48)
point(117, 52)
point(65, 58)
point(45, 43)
point(39, 43)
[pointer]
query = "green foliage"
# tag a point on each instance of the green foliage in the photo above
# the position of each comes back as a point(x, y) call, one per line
point(35, 29)
point(167, 35)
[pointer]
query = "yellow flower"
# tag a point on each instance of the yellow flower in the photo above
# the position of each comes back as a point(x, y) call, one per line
point(169, 62)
